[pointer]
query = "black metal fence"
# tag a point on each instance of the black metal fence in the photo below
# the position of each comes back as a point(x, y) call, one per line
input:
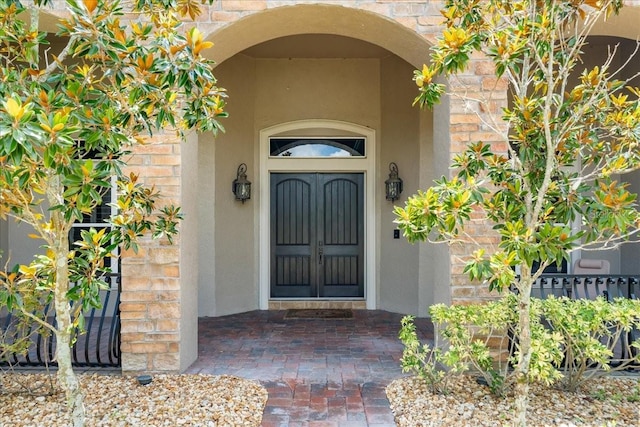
point(575, 286)
point(98, 346)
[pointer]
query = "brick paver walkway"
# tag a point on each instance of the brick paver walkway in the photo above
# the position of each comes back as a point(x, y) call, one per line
point(320, 372)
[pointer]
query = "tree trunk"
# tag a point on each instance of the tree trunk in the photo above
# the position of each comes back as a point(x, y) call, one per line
point(524, 357)
point(66, 376)
point(64, 323)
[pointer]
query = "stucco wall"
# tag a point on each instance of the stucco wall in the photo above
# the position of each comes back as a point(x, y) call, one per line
point(429, 269)
point(399, 143)
point(630, 253)
point(16, 245)
point(4, 240)
point(206, 224)
point(189, 253)
point(296, 89)
point(233, 254)
point(441, 161)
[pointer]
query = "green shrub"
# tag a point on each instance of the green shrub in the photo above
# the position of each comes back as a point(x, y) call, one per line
point(476, 339)
point(421, 359)
point(468, 332)
point(572, 341)
point(591, 330)
point(478, 336)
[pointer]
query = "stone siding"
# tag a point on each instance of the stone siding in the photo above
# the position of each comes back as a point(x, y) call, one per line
point(151, 293)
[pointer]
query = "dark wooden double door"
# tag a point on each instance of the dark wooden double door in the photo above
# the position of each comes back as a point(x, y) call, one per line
point(317, 235)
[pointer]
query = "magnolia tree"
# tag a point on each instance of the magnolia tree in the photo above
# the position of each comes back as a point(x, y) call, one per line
point(570, 136)
point(69, 117)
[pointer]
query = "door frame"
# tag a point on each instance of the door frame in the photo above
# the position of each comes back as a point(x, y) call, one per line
point(365, 165)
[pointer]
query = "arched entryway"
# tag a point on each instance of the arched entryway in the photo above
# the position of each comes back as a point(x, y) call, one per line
point(317, 71)
point(351, 62)
point(395, 32)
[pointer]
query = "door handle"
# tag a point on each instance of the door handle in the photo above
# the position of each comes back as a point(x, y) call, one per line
point(320, 252)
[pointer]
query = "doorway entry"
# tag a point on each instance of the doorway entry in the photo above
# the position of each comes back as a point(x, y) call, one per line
point(341, 157)
point(317, 235)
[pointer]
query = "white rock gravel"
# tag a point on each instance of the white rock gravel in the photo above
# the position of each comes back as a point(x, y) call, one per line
point(114, 400)
point(603, 402)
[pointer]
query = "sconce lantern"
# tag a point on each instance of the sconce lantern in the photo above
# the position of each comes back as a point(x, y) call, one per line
point(393, 186)
point(241, 185)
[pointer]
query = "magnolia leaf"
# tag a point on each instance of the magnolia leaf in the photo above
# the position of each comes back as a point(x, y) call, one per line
point(14, 108)
point(90, 5)
point(28, 270)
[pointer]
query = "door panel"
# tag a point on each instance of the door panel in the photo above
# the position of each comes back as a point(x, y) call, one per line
point(341, 229)
point(293, 209)
point(317, 235)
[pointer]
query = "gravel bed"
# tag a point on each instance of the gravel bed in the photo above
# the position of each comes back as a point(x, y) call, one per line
point(114, 400)
point(602, 402)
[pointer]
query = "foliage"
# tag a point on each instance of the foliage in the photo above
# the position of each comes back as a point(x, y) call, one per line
point(479, 337)
point(591, 330)
point(573, 341)
point(70, 117)
point(76, 120)
point(468, 330)
point(421, 359)
point(560, 145)
point(566, 139)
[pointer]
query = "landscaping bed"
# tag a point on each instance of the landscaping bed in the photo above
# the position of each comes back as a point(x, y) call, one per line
point(602, 402)
point(114, 400)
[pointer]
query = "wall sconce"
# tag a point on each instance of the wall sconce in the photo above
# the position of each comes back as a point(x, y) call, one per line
point(241, 186)
point(393, 186)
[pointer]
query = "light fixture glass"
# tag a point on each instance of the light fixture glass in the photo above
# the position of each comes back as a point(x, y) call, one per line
point(241, 185)
point(393, 185)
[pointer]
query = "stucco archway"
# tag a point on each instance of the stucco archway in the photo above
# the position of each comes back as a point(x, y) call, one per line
point(319, 19)
point(405, 33)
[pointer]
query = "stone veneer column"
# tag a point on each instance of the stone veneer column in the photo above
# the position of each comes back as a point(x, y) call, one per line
point(150, 307)
point(475, 115)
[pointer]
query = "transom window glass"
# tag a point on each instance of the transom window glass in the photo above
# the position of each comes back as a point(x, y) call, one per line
point(317, 147)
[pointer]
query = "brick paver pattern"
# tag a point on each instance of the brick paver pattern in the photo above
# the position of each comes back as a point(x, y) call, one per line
point(318, 372)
